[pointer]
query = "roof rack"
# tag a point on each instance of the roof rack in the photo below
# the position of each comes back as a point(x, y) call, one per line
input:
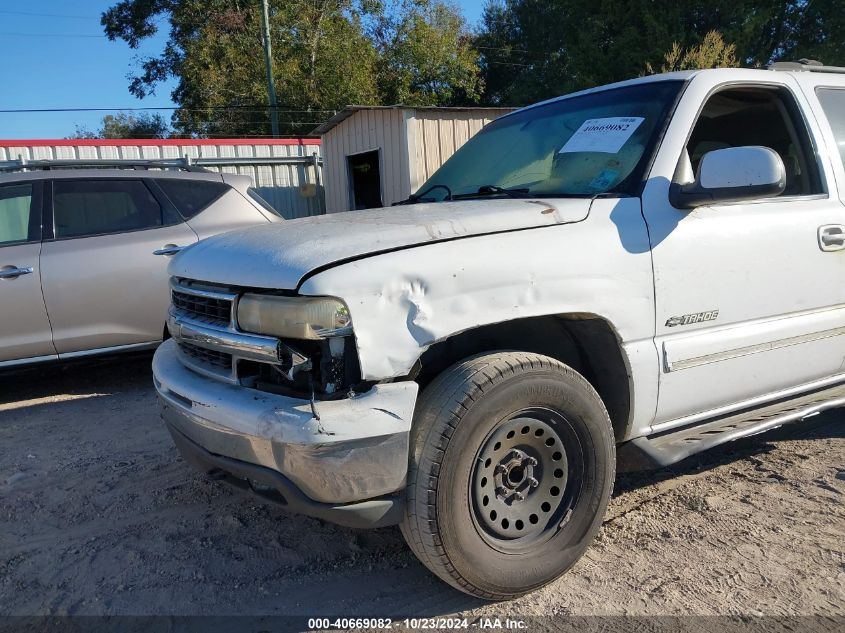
point(807, 65)
point(22, 164)
point(187, 163)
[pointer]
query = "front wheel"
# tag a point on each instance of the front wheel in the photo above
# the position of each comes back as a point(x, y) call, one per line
point(512, 466)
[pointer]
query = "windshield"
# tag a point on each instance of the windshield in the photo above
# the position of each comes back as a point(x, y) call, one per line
point(593, 144)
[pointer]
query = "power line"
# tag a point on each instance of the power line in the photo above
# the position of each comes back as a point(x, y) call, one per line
point(490, 61)
point(261, 120)
point(245, 109)
point(524, 53)
point(502, 48)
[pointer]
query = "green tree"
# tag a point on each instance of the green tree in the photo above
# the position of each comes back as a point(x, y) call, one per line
point(326, 54)
point(713, 52)
point(322, 60)
point(535, 49)
point(426, 57)
point(125, 125)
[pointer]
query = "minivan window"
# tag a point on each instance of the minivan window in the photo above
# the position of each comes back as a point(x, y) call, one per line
point(96, 207)
point(191, 196)
point(15, 213)
point(833, 104)
point(581, 146)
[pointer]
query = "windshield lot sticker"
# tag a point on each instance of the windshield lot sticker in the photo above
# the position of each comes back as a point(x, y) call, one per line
point(602, 135)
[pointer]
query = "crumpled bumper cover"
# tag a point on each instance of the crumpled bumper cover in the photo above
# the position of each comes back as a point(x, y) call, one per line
point(357, 450)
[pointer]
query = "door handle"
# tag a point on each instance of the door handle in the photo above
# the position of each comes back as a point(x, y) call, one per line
point(832, 237)
point(168, 249)
point(13, 272)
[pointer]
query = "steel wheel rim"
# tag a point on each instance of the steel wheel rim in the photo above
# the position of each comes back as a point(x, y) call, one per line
point(525, 480)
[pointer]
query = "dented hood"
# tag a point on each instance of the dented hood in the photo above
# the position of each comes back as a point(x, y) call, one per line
point(279, 255)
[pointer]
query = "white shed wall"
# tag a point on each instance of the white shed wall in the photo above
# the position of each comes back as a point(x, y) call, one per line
point(413, 143)
point(441, 134)
point(364, 131)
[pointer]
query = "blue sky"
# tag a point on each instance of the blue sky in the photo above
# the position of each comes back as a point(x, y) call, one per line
point(53, 55)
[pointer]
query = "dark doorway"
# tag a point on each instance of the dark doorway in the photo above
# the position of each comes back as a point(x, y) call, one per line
point(365, 180)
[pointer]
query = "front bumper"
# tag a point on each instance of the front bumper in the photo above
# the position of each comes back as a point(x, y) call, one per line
point(274, 486)
point(356, 451)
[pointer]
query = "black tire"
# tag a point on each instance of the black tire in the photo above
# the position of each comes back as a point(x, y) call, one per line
point(469, 446)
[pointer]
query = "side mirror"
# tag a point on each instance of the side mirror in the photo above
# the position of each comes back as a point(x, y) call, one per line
point(733, 174)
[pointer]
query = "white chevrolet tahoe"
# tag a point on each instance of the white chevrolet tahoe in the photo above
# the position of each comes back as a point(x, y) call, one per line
point(643, 270)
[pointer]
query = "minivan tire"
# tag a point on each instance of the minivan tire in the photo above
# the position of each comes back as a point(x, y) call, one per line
point(512, 463)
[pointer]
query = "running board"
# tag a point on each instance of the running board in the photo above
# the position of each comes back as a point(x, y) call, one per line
point(657, 451)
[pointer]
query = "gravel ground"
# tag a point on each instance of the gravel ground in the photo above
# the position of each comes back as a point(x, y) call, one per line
point(99, 516)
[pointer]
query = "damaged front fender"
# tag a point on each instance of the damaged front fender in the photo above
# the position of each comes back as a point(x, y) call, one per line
point(404, 301)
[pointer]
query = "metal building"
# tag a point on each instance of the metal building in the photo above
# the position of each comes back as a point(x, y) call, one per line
point(375, 156)
point(286, 172)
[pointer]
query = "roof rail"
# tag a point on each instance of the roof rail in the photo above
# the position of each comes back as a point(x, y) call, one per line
point(22, 164)
point(808, 65)
point(186, 163)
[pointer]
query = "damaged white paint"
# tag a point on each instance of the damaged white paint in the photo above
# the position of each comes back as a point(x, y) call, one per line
point(525, 258)
point(401, 302)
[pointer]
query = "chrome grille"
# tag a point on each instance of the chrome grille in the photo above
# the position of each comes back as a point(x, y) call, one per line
point(207, 356)
point(205, 308)
point(202, 322)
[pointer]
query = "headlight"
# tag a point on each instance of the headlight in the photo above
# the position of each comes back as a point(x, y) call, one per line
point(294, 317)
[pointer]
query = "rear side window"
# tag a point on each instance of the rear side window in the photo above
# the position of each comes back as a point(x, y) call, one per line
point(191, 196)
point(17, 214)
point(97, 207)
point(252, 193)
point(833, 104)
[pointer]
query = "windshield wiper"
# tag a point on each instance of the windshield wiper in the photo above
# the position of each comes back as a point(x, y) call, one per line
point(490, 190)
point(418, 197)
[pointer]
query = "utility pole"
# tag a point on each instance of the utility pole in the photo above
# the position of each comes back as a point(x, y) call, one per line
point(268, 64)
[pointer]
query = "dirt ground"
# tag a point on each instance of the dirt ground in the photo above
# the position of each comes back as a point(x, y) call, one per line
point(98, 515)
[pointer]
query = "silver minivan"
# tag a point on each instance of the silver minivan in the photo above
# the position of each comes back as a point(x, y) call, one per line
point(84, 252)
